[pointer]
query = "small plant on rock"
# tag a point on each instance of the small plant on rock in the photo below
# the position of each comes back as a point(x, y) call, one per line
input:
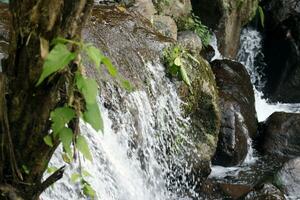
point(176, 59)
point(193, 23)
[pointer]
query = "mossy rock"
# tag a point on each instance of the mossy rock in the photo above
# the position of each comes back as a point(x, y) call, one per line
point(201, 106)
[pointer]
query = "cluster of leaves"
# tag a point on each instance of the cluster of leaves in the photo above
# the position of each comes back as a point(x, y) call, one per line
point(193, 23)
point(176, 59)
point(58, 60)
point(85, 185)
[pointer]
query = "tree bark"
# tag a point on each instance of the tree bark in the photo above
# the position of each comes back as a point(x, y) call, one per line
point(24, 108)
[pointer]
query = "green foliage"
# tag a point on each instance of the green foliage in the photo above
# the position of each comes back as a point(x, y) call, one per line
point(60, 117)
point(92, 116)
point(85, 185)
point(88, 88)
point(94, 54)
point(193, 23)
point(66, 137)
point(177, 59)
point(56, 60)
point(51, 169)
point(261, 16)
point(48, 140)
point(82, 146)
point(61, 60)
point(25, 169)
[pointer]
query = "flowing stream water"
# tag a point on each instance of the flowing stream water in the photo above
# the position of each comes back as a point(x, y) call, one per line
point(134, 158)
point(250, 54)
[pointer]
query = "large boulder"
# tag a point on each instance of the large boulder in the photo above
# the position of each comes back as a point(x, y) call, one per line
point(226, 17)
point(130, 41)
point(280, 135)
point(288, 178)
point(281, 50)
point(238, 115)
point(201, 104)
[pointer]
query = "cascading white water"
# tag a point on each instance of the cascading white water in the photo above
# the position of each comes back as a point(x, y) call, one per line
point(134, 155)
point(250, 49)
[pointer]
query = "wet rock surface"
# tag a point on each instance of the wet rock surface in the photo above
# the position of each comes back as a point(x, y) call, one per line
point(201, 99)
point(238, 115)
point(265, 192)
point(190, 41)
point(176, 9)
point(280, 135)
point(226, 17)
point(129, 41)
point(281, 50)
point(165, 25)
point(239, 181)
point(288, 178)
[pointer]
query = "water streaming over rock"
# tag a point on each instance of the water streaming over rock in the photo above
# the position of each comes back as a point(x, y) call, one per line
point(251, 56)
point(253, 168)
point(134, 156)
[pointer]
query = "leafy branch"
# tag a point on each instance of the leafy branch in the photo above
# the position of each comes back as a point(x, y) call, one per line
point(61, 59)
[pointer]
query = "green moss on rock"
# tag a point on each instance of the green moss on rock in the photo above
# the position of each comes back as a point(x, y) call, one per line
point(201, 106)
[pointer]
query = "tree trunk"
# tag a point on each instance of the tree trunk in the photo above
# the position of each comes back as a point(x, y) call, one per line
point(24, 108)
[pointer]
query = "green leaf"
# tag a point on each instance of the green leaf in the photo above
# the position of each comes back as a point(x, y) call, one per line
point(88, 87)
point(75, 177)
point(52, 169)
point(94, 54)
point(56, 60)
point(25, 169)
point(66, 158)
point(88, 191)
point(193, 58)
point(184, 76)
point(261, 16)
point(126, 85)
point(173, 70)
point(86, 173)
point(60, 117)
point(48, 140)
point(112, 70)
point(93, 116)
point(66, 137)
point(59, 40)
point(177, 61)
point(82, 146)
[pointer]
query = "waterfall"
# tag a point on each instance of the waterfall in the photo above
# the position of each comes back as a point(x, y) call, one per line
point(250, 52)
point(134, 157)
